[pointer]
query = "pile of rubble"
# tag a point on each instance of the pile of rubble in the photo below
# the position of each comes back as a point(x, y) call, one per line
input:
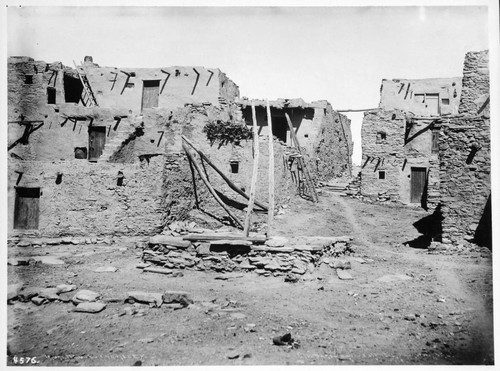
point(224, 251)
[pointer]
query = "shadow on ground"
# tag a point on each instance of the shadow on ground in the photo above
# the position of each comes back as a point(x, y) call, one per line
point(431, 229)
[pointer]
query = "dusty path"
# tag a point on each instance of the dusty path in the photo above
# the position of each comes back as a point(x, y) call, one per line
point(403, 307)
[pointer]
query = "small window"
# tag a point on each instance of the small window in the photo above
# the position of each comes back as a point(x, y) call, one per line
point(177, 73)
point(51, 96)
point(435, 141)
point(381, 174)
point(381, 137)
point(445, 101)
point(234, 166)
point(128, 85)
point(81, 153)
point(419, 98)
point(28, 79)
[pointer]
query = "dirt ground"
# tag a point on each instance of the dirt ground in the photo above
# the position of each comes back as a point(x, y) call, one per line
point(405, 306)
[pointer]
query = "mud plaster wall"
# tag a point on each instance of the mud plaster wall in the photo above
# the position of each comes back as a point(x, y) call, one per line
point(177, 86)
point(179, 193)
point(395, 157)
point(465, 188)
point(88, 200)
point(404, 94)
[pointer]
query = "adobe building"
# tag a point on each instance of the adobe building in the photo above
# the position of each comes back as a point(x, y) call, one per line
point(400, 140)
point(97, 151)
point(465, 160)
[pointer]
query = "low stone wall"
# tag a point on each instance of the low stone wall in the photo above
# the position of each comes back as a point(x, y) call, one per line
point(297, 256)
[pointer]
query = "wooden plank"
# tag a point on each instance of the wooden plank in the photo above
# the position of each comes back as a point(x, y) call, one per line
point(301, 160)
point(226, 179)
point(255, 171)
point(270, 212)
point(257, 238)
point(210, 188)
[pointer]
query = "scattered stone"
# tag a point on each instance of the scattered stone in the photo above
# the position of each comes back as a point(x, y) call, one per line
point(276, 241)
point(65, 288)
point(18, 261)
point(28, 293)
point(53, 241)
point(13, 291)
point(174, 306)
point(233, 354)
point(147, 340)
point(181, 297)
point(90, 307)
point(343, 275)
point(228, 276)
point(283, 340)
point(50, 260)
point(238, 315)
point(38, 300)
point(291, 278)
point(137, 363)
point(85, 296)
point(410, 317)
point(50, 293)
point(340, 264)
point(344, 357)
point(250, 327)
point(177, 274)
point(105, 269)
point(441, 300)
point(145, 297)
point(143, 265)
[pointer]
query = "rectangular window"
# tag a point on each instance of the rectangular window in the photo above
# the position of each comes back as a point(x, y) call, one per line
point(381, 174)
point(28, 79)
point(435, 141)
point(234, 166)
point(51, 96)
point(419, 98)
point(445, 101)
point(381, 137)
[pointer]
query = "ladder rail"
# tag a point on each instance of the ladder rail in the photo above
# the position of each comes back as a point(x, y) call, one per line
point(86, 88)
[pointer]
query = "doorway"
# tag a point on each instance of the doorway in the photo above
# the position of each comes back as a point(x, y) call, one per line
point(150, 93)
point(26, 208)
point(97, 141)
point(418, 182)
point(280, 128)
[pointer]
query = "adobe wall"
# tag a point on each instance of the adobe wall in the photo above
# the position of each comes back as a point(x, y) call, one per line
point(401, 150)
point(177, 85)
point(406, 95)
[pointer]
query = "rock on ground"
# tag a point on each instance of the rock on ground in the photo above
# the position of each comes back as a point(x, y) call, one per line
point(94, 307)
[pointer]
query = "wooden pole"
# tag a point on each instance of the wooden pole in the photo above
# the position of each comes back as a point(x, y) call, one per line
point(227, 180)
point(255, 171)
point(309, 181)
point(270, 211)
point(209, 186)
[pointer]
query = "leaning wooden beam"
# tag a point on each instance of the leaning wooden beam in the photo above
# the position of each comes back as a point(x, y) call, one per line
point(255, 172)
point(301, 160)
point(209, 186)
point(270, 211)
point(226, 179)
point(257, 238)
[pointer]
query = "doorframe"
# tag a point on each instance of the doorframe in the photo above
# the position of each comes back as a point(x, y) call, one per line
point(142, 93)
point(16, 205)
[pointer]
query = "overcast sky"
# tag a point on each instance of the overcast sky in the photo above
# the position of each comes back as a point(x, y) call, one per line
point(340, 54)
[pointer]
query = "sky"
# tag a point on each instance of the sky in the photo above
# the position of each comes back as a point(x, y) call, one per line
point(339, 54)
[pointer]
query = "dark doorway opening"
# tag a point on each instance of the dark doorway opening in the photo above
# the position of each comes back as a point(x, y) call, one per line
point(72, 89)
point(27, 208)
point(97, 140)
point(280, 127)
point(51, 95)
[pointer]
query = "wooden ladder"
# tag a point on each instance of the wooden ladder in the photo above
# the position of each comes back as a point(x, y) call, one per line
point(88, 98)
